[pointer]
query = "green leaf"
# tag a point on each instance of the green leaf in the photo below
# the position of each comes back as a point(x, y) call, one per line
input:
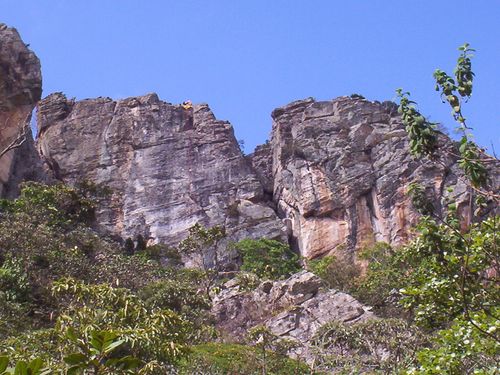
point(35, 365)
point(4, 362)
point(75, 358)
point(74, 370)
point(111, 346)
point(70, 334)
point(21, 368)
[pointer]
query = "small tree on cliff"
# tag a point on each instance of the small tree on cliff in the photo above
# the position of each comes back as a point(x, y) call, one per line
point(453, 279)
point(204, 244)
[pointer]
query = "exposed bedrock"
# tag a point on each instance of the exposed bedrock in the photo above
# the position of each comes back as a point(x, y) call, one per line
point(20, 89)
point(341, 171)
point(168, 167)
point(333, 178)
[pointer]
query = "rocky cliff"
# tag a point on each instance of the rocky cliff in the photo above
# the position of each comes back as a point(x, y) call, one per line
point(20, 90)
point(335, 172)
point(168, 167)
point(333, 177)
point(341, 171)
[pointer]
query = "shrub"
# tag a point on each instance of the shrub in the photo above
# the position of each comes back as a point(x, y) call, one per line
point(379, 287)
point(338, 273)
point(218, 358)
point(268, 259)
point(376, 346)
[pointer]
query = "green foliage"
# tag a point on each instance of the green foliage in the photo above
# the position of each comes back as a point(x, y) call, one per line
point(423, 140)
point(99, 355)
point(150, 333)
point(462, 348)
point(385, 346)
point(451, 272)
point(338, 273)
point(247, 281)
point(54, 205)
point(204, 244)
point(421, 133)
point(452, 279)
point(14, 282)
point(181, 294)
point(34, 367)
point(382, 280)
point(269, 259)
point(419, 199)
point(220, 358)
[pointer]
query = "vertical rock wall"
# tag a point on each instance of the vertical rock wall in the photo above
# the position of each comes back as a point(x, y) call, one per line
point(341, 173)
point(168, 167)
point(20, 89)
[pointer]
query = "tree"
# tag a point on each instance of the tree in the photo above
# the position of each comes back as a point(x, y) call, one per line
point(453, 274)
point(204, 244)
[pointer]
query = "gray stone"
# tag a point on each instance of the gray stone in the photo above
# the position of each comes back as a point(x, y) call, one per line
point(168, 167)
point(292, 309)
point(341, 171)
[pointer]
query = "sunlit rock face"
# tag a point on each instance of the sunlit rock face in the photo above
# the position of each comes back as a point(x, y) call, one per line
point(167, 167)
point(341, 171)
point(333, 178)
point(20, 89)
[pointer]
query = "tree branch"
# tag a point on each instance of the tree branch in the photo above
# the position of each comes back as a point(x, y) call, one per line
point(20, 139)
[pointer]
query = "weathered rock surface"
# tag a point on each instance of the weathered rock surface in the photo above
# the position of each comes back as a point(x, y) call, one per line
point(20, 89)
point(262, 162)
point(336, 172)
point(168, 167)
point(291, 309)
point(341, 172)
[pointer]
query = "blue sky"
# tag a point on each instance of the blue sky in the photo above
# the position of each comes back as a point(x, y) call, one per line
point(246, 58)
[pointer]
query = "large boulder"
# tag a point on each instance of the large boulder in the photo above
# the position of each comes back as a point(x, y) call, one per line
point(292, 309)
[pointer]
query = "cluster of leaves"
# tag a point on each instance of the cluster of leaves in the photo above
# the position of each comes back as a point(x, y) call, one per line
point(204, 244)
point(421, 133)
point(379, 286)
point(423, 136)
point(446, 282)
point(268, 259)
point(452, 278)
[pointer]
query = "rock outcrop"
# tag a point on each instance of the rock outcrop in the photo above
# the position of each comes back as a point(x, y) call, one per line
point(20, 89)
point(291, 309)
point(167, 167)
point(341, 171)
point(333, 178)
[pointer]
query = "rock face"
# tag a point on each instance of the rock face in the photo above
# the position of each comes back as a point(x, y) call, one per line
point(20, 89)
point(333, 178)
point(341, 171)
point(291, 309)
point(168, 167)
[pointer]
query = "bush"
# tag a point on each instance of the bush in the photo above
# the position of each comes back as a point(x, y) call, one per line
point(338, 273)
point(376, 346)
point(218, 358)
point(267, 259)
point(379, 287)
